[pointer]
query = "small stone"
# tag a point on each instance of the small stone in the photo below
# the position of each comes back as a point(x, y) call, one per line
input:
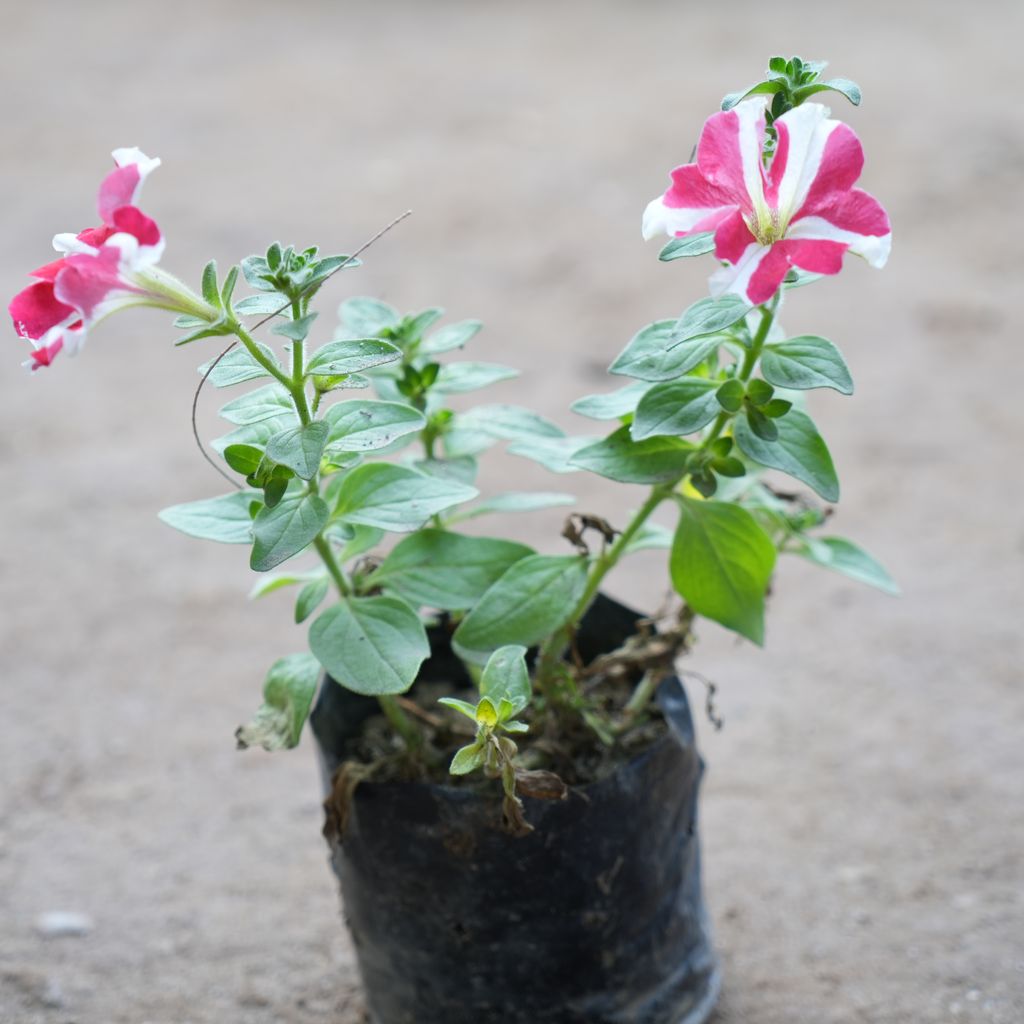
point(63, 923)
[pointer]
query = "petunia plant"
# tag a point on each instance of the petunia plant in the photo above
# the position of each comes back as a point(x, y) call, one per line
point(344, 446)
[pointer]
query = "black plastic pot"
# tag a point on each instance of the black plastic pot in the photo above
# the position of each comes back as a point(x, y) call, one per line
point(596, 917)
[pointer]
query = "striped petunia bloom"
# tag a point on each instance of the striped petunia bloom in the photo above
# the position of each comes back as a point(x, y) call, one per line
point(800, 210)
point(100, 270)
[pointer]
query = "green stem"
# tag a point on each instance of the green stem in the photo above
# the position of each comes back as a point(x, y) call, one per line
point(643, 693)
point(326, 553)
point(254, 350)
point(401, 722)
point(551, 649)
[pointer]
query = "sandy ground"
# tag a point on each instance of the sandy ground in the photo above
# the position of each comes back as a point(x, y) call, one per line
point(863, 814)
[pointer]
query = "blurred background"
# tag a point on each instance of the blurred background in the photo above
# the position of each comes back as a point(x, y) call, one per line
point(863, 814)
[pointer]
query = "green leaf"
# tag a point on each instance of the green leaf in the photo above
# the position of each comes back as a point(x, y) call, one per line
point(554, 453)
point(300, 448)
point(655, 460)
point(287, 696)
point(362, 539)
point(507, 422)
point(467, 759)
point(532, 600)
point(211, 292)
point(806, 362)
point(446, 570)
point(262, 404)
point(287, 528)
point(799, 451)
point(365, 425)
point(395, 498)
point(257, 434)
point(651, 355)
point(760, 425)
point(846, 557)
point(463, 707)
point(730, 101)
point(371, 645)
point(296, 330)
point(366, 317)
point(310, 597)
point(243, 458)
point(614, 405)
point(238, 366)
point(841, 85)
point(413, 327)
point(225, 519)
point(692, 245)
point(721, 563)
point(450, 337)
point(455, 378)
point(759, 392)
point(228, 288)
point(730, 395)
point(344, 357)
point(514, 501)
point(676, 407)
point(506, 678)
point(262, 305)
point(709, 316)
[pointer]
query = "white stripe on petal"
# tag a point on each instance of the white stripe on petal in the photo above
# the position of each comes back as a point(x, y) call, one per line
point(808, 128)
point(660, 219)
point(736, 278)
point(68, 242)
point(873, 248)
point(751, 143)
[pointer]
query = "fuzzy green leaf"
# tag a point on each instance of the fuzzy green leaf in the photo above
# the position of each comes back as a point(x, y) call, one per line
point(530, 601)
point(225, 519)
point(344, 357)
point(709, 316)
point(366, 317)
point(287, 696)
point(506, 678)
point(371, 645)
point(262, 404)
point(395, 498)
point(456, 378)
point(655, 460)
point(450, 337)
point(310, 597)
point(799, 451)
point(721, 563)
point(362, 426)
point(652, 355)
point(846, 557)
point(237, 366)
point(693, 245)
point(300, 448)
point(446, 570)
point(676, 407)
point(467, 759)
point(613, 405)
point(806, 362)
point(285, 529)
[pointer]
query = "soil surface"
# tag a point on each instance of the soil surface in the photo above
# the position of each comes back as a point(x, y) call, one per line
point(863, 819)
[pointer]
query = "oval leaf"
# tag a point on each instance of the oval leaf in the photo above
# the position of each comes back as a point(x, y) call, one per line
point(806, 362)
point(532, 600)
point(225, 519)
point(614, 405)
point(799, 451)
point(285, 529)
point(342, 357)
point(656, 460)
point(709, 316)
point(262, 404)
point(505, 677)
point(287, 695)
point(721, 563)
point(455, 378)
point(300, 448)
point(366, 317)
point(446, 570)
point(846, 557)
point(237, 366)
point(371, 645)
point(652, 356)
point(362, 425)
point(676, 407)
point(395, 498)
point(693, 245)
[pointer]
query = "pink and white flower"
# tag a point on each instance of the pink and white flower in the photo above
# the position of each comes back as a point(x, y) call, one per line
point(101, 270)
point(801, 210)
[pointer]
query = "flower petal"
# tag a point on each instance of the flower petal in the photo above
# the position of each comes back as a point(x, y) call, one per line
point(36, 310)
point(732, 237)
point(123, 185)
point(90, 280)
point(44, 352)
point(729, 153)
point(856, 219)
point(132, 220)
point(808, 152)
point(756, 275)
